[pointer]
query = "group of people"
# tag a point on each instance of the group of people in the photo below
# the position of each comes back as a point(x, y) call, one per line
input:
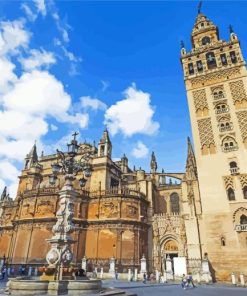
point(187, 281)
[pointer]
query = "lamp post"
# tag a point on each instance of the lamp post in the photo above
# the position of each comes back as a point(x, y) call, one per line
point(69, 164)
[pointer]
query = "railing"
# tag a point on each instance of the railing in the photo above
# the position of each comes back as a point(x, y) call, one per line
point(116, 191)
point(225, 128)
point(234, 171)
point(221, 110)
point(41, 191)
point(230, 148)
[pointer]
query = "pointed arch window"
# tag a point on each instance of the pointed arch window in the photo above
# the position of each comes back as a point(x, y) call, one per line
point(174, 201)
point(245, 192)
point(233, 168)
point(243, 219)
point(211, 61)
point(230, 194)
point(223, 242)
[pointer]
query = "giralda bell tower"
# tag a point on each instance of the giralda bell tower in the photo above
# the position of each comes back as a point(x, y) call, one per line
point(216, 83)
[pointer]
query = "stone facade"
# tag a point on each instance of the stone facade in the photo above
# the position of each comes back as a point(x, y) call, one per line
point(127, 213)
point(216, 81)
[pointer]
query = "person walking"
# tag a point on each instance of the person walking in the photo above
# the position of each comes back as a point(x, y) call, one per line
point(3, 272)
point(190, 280)
point(144, 278)
point(116, 275)
point(184, 282)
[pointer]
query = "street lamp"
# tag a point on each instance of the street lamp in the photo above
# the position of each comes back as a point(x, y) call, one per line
point(69, 164)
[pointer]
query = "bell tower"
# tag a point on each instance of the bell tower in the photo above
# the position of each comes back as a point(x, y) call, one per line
point(216, 84)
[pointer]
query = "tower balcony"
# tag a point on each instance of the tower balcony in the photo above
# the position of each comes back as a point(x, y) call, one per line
point(234, 170)
point(221, 110)
point(229, 148)
point(225, 128)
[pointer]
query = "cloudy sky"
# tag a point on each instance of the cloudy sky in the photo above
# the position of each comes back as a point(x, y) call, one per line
point(80, 65)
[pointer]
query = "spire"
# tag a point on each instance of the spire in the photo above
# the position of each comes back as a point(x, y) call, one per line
point(32, 157)
point(191, 169)
point(153, 163)
point(4, 193)
point(231, 29)
point(105, 137)
point(199, 7)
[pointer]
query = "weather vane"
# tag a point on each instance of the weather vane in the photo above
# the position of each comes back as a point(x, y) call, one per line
point(199, 7)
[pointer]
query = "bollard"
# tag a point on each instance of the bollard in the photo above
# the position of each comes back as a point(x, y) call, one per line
point(101, 272)
point(96, 272)
point(242, 281)
point(8, 271)
point(165, 277)
point(136, 275)
point(129, 275)
point(157, 275)
point(233, 279)
point(36, 271)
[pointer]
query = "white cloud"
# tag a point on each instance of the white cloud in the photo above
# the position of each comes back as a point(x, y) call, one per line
point(140, 150)
point(105, 85)
point(29, 13)
point(37, 60)
point(13, 36)
point(41, 7)
point(10, 174)
point(95, 104)
point(132, 115)
point(7, 77)
point(53, 127)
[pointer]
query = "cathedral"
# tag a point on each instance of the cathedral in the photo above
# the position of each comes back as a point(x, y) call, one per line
point(129, 213)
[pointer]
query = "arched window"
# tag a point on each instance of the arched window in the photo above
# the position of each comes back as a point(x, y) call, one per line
point(205, 40)
point(174, 200)
point(221, 108)
point(223, 241)
point(230, 194)
point(229, 144)
point(211, 61)
point(245, 192)
point(243, 219)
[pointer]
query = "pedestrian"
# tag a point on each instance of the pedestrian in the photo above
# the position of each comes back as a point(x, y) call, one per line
point(144, 278)
point(116, 275)
point(184, 282)
point(3, 272)
point(190, 280)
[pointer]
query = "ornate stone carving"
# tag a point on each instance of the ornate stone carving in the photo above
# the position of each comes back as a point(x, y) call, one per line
point(45, 207)
point(215, 77)
point(109, 209)
point(238, 91)
point(131, 211)
point(242, 120)
point(206, 131)
point(200, 99)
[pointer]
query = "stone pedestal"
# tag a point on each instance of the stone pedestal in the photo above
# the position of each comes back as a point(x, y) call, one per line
point(233, 279)
point(242, 281)
point(143, 264)
point(84, 263)
point(157, 276)
point(30, 271)
point(205, 273)
point(112, 265)
point(36, 271)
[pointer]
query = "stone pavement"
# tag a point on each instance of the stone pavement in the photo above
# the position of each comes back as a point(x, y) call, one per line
point(153, 289)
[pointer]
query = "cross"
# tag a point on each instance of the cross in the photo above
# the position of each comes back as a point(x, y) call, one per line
point(74, 135)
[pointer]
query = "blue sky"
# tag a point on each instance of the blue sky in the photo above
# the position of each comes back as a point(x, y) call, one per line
point(77, 65)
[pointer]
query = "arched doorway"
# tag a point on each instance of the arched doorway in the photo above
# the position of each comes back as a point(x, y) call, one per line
point(170, 248)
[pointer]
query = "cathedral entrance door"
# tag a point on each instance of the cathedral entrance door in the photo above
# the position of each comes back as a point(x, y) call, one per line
point(171, 250)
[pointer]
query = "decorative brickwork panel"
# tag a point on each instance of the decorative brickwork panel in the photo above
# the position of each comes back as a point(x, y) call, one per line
point(238, 91)
point(243, 180)
point(242, 120)
point(215, 77)
point(228, 181)
point(206, 131)
point(200, 100)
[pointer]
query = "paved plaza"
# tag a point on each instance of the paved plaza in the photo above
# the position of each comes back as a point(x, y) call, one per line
point(152, 289)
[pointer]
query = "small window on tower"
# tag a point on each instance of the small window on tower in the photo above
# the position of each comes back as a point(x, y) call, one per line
point(199, 66)
point(233, 57)
point(223, 59)
point(191, 68)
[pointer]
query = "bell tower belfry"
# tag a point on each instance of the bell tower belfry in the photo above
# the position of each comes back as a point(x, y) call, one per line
point(216, 84)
